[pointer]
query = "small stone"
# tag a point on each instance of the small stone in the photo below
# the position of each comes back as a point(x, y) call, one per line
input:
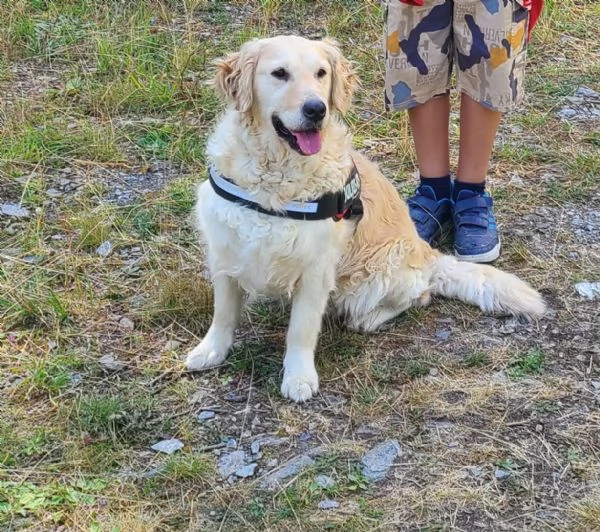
point(475, 472)
point(33, 259)
point(433, 372)
point(377, 462)
point(168, 446)
point(273, 462)
point(126, 323)
point(14, 210)
point(234, 397)
point(230, 463)
point(255, 447)
point(328, 504)
point(368, 430)
point(53, 193)
point(289, 469)
point(499, 376)
point(596, 385)
point(501, 474)
point(246, 471)
point(305, 436)
point(110, 363)
point(104, 249)
point(586, 92)
point(206, 415)
point(443, 334)
point(231, 443)
point(172, 345)
point(590, 291)
point(539, 427)
point(325, 482)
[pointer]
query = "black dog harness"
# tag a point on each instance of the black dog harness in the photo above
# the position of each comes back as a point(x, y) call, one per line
point(344, 204)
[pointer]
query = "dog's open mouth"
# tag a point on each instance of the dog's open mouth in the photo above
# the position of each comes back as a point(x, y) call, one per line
point(305, 142)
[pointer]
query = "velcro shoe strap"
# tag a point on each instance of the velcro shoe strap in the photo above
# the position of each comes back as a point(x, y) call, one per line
point(419, 215)
point(476, 202)
point(473, 219)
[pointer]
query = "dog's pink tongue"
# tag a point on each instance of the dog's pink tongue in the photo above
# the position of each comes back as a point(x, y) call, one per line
point(308, 141)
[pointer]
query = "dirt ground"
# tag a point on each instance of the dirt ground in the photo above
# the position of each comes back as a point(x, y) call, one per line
point(493, 423)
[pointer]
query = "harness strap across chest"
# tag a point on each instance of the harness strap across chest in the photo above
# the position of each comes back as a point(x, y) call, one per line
point(340, 205)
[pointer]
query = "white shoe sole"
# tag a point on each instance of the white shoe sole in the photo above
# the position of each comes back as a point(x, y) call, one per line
point(489, 256)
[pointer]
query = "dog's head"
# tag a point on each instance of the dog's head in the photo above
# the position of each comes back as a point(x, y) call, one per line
point(289, 84)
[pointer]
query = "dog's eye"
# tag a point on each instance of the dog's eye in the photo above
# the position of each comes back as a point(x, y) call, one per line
point(280, 73)
point(321, 73)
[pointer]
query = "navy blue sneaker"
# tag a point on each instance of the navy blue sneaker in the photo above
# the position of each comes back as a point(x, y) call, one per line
point(475, 232)
point(431, 216)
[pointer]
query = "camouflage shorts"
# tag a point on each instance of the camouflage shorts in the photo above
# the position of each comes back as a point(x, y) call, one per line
point(485, 38)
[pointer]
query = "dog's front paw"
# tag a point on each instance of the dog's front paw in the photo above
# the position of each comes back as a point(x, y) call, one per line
point(300, 386)
point(205, 355)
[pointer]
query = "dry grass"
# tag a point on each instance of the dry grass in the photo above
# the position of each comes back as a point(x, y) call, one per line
point(104, 113)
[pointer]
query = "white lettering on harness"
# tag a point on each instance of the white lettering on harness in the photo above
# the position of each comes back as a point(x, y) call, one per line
point(352, 188)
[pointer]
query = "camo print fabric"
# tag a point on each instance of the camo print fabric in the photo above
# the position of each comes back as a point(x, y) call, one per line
point(486, 39)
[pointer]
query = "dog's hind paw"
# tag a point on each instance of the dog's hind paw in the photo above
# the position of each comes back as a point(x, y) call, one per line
point(300, 387)
point(204, 356)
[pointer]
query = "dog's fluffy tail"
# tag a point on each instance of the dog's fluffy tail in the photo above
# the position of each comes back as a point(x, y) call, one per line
point(487, 287)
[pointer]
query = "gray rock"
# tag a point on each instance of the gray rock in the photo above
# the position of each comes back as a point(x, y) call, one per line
point(586, 92)
point(14, 210)
point(53, 193)
point(501, 474)
point(584, 105)
point(499, 376)
point(305, 436)
point(206, 415)
point(234, 397)
point(377, 462)
point(289, 469)
point(273, 462)
point(172, 345)
point(267, 441)
point(444, 334)
point(368, 430)
point(104, 249)
point(325, 482)
point(168, 446)
point(126, 323)
point(475, 472)
point(596, 385)
point(246, 471)
point(230, 463)
point(328, 504)
point(590, 291)
point(110, 363)
point(231, 443)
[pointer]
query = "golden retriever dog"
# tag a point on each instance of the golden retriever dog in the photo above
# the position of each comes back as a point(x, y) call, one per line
point(281, 145)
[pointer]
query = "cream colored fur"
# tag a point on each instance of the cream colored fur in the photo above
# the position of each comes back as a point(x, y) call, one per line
point(370, 272)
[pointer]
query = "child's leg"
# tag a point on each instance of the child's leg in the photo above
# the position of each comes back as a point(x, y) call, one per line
point(429, 125)
point(419, 51)
point(478, 127)
point(490, 53)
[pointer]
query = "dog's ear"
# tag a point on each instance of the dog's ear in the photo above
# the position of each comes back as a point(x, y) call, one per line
point(345, 79)
point(234, 78)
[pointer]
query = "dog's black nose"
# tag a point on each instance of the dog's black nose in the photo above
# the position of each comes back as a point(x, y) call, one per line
point(314, 110)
